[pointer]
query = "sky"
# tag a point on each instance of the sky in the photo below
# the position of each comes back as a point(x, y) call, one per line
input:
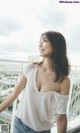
point(23, 21)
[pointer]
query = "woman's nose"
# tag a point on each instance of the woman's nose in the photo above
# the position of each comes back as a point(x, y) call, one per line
point(40, 43)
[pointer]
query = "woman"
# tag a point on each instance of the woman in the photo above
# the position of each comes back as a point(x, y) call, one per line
point(46, 89)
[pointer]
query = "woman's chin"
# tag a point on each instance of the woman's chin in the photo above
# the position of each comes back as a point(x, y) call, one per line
point(42, 55)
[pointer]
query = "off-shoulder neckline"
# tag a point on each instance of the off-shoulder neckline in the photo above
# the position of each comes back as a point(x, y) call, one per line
point(48, 92)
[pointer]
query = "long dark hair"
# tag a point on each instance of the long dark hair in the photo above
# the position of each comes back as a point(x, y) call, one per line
point(59, 56)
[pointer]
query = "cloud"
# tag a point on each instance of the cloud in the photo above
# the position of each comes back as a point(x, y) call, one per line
point(27, 47)
point(22, 22)
point(74, 38)
point(52, 19)
point(8, 26)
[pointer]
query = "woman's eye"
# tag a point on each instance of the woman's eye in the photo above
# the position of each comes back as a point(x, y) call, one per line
point(45, 40)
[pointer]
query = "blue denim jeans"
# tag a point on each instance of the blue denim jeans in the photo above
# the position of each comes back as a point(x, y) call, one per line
point(20, 127)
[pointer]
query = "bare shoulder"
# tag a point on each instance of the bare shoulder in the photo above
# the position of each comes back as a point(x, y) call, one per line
point(37, 64)
point(65, 86)
point(34, 65)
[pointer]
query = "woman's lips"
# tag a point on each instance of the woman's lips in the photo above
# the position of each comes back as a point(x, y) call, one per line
point(41, 49)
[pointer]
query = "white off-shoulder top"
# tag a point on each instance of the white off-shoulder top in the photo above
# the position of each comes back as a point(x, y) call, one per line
point(38, 110)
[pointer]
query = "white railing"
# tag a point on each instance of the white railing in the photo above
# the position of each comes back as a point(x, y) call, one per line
point(9, 73)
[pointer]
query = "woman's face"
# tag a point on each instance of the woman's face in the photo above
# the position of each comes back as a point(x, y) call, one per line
point(45, 47)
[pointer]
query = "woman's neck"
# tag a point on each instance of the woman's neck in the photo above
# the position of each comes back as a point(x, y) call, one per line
point(47, 63)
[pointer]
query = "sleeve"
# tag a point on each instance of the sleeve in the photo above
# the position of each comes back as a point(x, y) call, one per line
point(62, 101)
point(26, 70)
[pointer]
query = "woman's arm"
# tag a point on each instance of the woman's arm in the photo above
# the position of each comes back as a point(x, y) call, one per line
point(62, 118)
point(14, 94)
point(61, 123)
